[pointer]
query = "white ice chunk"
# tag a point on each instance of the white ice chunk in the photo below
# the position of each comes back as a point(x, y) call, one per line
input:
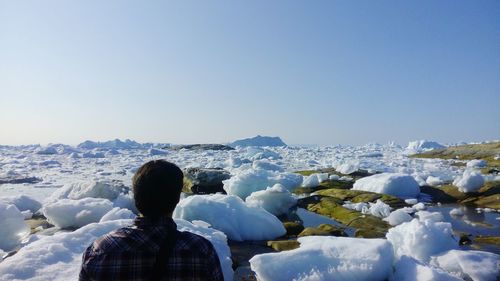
point(421, 239)
point(76, 213)
point(434, 181)
point(266, 165)
point(476, 163)
point(95, 189)
point(56, 257)
point(276, 200)
point(310, 181)
point(423, 145)
point(457, 212)
point(470, 181)
point(408, 269)
point(398, 217)
point(327, 258)
point(118, 214)
point(470, 265)
point(432, 216)
point(229, 214)
point(244, 182)
point(399, 185)
point(348, 167)
point(12, 227)
point(411, 201)
point(156, 151)
point(22, 202)
point(419, 206)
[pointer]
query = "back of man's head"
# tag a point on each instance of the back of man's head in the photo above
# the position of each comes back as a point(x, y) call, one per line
point(157, 186)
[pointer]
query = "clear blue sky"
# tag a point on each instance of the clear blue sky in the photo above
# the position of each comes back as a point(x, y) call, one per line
point(323, 72)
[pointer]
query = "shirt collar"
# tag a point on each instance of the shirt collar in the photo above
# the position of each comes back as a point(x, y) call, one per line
point(146, 222)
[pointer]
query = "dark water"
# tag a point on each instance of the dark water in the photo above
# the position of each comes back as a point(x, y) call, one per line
point(473, 222)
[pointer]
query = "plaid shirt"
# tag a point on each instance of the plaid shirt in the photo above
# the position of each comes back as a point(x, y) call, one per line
point(130, 253)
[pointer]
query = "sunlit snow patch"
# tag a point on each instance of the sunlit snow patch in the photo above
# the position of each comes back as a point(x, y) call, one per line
point(327, 258)
point(400, 185)
point(229, 214)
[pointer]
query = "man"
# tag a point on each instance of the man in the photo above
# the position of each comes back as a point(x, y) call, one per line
point(152, 248)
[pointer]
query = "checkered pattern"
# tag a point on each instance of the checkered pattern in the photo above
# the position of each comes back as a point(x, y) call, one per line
point(129, 253)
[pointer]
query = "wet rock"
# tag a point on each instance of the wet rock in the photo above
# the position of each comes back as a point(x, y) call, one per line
point(205, 181)
point(293, 228)
point(283, 245)
point(323, 230)
point(487, 197)
point(495, 240)
point(357, 196)
point(367, 226)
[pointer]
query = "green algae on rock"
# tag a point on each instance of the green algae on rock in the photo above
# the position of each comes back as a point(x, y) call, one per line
point(487, 197)
point(367, 226)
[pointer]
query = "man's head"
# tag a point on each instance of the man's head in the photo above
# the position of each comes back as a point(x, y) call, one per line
point(157, 186)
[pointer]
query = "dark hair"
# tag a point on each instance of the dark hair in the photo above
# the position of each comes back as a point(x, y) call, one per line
point(157, 187)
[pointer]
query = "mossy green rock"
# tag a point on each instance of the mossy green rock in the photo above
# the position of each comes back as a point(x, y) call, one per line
point(293, 228)
point(495, 240)
point(323, 230)
point(487, 197)
point(368, 226)
point(283, 245)
point(324, 185)
point(358, 196)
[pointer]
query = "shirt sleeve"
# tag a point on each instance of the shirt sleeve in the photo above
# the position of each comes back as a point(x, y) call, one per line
point(83, 276)
point(214, 267)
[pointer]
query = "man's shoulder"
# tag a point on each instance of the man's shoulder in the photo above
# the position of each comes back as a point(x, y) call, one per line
point(193, 242)
point(118, 240)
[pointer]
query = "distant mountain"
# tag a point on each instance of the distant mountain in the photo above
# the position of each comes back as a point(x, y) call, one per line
point(116, 144)
point(259, 141)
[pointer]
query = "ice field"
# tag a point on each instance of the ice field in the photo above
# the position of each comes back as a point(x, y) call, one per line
point(55, 200)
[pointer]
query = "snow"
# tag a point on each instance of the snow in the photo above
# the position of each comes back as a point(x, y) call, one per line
point(423, 145)
point(155, 151)
point(408, 269)
point(118, 214)
point(246, 181)
point(314, 180)
point(83, 189)
point(265, 164)
point(477, 163)
point(347, 167)
point(58, 257)
point(470, 181)
point(229, 214)
point(456, 212)
point(395, 184)
point(22, 202)
point(310, 181)
point(327, 258)
point(378, 209)
point(67, 213)
point(421, 239)
point(13, 228)
point(419, 206)
point(49, 150)
point(411, 201)
point(398, 217)
point(432, 216)
point(470, 265)
point(433, 181)
point(276, 200)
